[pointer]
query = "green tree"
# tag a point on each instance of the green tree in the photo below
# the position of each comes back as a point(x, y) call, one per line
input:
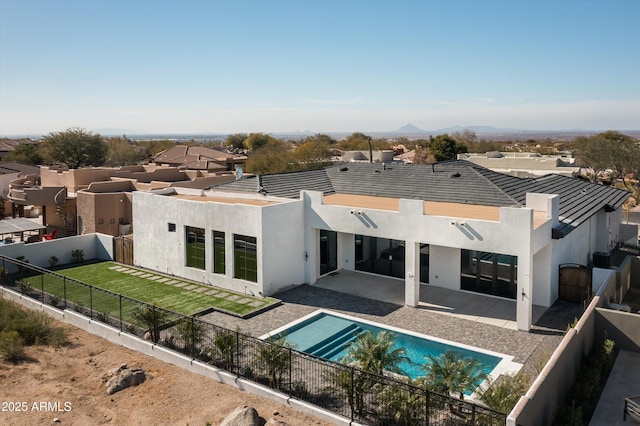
point(374, 352)
point(320, 138)
point(151, 317)
point(453, 373)
point(444, 147)
point(236, 141)
point(258, 140)
point(312, 154)
point(25, 153)
point(270, 159)
point(149, 149)
point(275, 357)
point(359, 141)
point(121, 152)
point(74, 148)
point(609, 150)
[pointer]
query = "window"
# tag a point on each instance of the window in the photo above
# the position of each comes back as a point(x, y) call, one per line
point(379, 256)
point(218, 252)
point(196, 252)
point(100, 221)
point(245, 258)
point(172, 227)
point(112, 221)
point(489, 273)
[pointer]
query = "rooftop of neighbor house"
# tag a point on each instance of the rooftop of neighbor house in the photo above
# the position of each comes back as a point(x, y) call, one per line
point(198, 157)
point(456, 182)
point(11, 167)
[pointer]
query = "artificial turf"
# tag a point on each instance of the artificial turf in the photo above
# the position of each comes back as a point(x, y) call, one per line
point(146, 289)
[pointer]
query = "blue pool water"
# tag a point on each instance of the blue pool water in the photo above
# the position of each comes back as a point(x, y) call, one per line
point(327, 336)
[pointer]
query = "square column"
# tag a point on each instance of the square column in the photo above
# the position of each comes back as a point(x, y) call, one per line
point(412, 274)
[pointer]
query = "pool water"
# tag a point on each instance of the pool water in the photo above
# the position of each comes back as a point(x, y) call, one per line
point(327, 336)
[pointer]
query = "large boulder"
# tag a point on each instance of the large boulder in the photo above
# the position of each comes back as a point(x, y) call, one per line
point(122, 377)
point(242, 416)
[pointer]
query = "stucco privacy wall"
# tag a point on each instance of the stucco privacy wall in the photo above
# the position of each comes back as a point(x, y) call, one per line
point(94, 246)
point(542, 400)
point(278, 229)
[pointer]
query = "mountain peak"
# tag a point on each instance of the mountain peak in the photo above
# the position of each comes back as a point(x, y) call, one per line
point(410, 128)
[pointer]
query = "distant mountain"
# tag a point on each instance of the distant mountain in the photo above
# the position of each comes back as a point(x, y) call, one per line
point(477, 129)
point(410, 128)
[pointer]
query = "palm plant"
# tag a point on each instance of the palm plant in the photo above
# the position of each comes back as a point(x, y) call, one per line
point(191, 333)
point(505, 392)
point(152, 318)
point(374, 352)
point(228, 347)
point(275, 357)
point(452, 373)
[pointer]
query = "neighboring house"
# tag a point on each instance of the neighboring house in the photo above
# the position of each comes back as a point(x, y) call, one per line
point(11, 170)
point(525, 164)
point(87, 200)
point(7, 146)
point(200, 158)
point(454, 225)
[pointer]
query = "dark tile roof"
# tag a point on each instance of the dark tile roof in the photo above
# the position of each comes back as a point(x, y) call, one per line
point(23, 169)
point(452, 181)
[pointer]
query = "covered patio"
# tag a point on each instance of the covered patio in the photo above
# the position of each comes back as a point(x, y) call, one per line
point(461, 304)
point(20, 227)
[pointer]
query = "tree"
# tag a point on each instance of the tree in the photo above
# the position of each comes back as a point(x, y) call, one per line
point(236, 141)
point(258, 140)
point(270, 159)
point(453, 373)
point(151, 317)
point(374, 352)
point(25, 153)
point(609, 150)
point(360, 142)
point(275, 357)
point(444, 147)
point(312, 154)
point(465, 137)
point(74, 148)
point(121, 152)
point(320, 138)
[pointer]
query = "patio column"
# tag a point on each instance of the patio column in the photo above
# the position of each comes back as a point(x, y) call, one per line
point(524, 296)
point(412, 274)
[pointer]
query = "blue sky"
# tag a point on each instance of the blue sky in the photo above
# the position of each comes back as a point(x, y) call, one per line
point(144, 66)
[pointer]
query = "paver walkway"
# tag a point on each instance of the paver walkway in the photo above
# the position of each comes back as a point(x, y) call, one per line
point(304, 299)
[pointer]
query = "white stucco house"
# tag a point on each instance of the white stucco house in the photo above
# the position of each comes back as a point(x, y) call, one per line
point(453, 224)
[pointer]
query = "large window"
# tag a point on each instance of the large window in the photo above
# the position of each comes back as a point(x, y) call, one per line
point(380, 255)
point(245, 258)
point(489, 273)
point(218, 252)
point(196, 253)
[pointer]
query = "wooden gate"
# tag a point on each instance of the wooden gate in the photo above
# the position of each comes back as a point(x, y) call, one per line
point(574, 283)
point(123, 249)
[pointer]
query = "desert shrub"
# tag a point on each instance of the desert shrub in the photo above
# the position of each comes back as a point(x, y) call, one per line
point(53, 261)
point(77, 256)
point(25, 287)
point(11, 346)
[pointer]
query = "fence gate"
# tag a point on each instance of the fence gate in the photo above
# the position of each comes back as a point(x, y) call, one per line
point(574, 283)
point(123, 249)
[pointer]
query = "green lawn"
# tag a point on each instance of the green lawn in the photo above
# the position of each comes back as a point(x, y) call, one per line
point(170, 297)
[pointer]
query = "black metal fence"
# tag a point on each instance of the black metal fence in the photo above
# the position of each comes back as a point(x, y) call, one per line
point(347, 391)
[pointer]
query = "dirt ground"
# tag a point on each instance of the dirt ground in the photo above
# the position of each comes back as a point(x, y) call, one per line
point(66, 384)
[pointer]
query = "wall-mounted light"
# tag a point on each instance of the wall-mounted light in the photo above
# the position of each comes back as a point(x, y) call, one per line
point(353, 212)
point(360, 212)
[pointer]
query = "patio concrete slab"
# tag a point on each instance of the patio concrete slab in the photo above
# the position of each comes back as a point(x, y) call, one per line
point(623, 381)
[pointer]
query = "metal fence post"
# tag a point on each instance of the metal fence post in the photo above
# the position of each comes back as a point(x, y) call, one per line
point(42, 287)
point(290, 372)
point(64, 291)
point(192, 349)
point(120, 312)
point(236, 365)
point(90, 302)
point(352, 398)
point(428, 402)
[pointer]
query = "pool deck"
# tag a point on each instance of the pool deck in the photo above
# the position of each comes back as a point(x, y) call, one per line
point(475, 320)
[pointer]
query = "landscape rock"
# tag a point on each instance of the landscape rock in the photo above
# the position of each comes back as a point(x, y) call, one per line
point(242, 416)
point(124, 378)
point(275, 422)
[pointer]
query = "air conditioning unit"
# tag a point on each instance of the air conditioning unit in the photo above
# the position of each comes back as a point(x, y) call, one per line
point(601, 260)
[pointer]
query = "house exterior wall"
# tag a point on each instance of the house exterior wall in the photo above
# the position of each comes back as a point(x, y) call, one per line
point(103, 212)
point(280, 248)
point(287, 236)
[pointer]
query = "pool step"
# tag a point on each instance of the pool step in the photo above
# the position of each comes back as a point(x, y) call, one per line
point(335, 343)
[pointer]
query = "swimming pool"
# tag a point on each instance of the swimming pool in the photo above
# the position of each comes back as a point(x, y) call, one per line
point(326, 334)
